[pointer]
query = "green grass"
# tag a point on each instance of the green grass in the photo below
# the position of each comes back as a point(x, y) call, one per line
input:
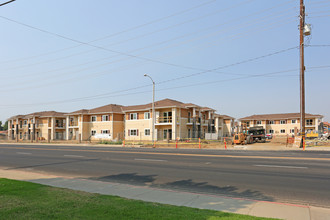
point(24, 200)
point(111, 142)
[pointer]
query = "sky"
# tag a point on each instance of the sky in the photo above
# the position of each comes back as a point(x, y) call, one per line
point(238, 57)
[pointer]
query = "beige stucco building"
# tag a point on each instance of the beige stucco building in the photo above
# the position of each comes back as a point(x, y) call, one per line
point(283, 124)
point(173, 120)
point(47, 125)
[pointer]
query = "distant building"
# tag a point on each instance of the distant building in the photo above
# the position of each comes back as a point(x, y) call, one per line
point(283, 124)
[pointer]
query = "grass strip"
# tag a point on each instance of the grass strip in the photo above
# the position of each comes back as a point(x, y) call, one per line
point(25, 200)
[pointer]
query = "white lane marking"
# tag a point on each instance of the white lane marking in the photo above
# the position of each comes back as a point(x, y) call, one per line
point(23, 153)
point(67, 155)
point(292, 167)
point(151, 160)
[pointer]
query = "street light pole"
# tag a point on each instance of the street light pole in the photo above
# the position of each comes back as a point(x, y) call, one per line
point(153, 110)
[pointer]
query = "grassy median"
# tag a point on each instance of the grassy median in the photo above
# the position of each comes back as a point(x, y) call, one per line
point(24, 200)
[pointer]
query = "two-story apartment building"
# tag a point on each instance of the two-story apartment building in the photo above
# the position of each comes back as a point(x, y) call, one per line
point(283, 124)
point(173, 119)
point(47, 125)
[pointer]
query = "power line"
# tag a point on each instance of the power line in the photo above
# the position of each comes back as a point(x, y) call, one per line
point(144, 53)
point(120, 32)
point(112, 94)
point(229, 65)
point(7, 2)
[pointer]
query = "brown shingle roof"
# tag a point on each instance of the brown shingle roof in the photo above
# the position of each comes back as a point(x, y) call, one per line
point(279, 116)
point(39, 114)
point(159, 104)
point(224, 116)
point(113, 108)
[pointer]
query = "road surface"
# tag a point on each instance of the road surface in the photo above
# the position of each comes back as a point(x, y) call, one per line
point(279, 176)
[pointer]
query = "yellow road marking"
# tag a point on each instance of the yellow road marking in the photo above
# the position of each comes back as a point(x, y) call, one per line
point(172, 154)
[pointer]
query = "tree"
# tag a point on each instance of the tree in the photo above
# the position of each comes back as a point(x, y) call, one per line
point(1, 128)
point(5, 127)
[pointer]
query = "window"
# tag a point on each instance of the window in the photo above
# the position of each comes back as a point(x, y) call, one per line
point(133, 132)
point(258, 122)
point(282, 131)
point(133, 116)
point(271, 131)
point(283, 122)
point(294, 121)
point(309, 122)
point(147, 132)
point(105, 131)
point(93, 132)
point(105, 117)
point(291, 131)
point(147, 115)
point(247, 124)
point(94, 118)
point(25, 122)
point(271, 122)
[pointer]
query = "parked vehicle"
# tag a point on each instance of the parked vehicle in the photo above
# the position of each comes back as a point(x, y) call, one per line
point(258, 134)
point(269, 136)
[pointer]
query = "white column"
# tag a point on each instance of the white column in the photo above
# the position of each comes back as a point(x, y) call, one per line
point(216, 125)
point(52, 130)
point(174, 124)
point(67, 128)
point(82, 126)
point(112, 131)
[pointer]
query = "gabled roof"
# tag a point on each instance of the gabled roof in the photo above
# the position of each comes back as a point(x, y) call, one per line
point(39, 114)
point(279, 116)
point(112, 108)
point(78, 112)
point(223, 116)
point(165, 103)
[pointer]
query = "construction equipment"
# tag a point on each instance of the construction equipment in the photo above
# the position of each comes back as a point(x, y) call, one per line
point(258, 133)
point(242, 136)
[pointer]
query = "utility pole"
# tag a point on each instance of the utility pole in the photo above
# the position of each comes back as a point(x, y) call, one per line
point(302, 74)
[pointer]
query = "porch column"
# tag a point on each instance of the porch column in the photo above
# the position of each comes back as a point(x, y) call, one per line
point(174, 123)
point(67, 128)
point(52, 130)
point(9, 129)
point(81, 127)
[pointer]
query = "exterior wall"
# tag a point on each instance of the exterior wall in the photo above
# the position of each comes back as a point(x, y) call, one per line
point(227, 125)
point(140, 125)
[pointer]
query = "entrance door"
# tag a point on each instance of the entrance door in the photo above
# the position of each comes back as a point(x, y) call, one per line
point(168, 134)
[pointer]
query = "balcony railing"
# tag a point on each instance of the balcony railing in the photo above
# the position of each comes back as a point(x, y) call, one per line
point(60, 125)
point(164, 120)
point(73, 123)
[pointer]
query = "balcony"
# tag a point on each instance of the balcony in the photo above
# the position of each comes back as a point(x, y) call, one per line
point(61, 125)
point(164, 120)
point(73, 124)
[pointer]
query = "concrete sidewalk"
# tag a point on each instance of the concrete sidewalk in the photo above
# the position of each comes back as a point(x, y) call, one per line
point(195, 200)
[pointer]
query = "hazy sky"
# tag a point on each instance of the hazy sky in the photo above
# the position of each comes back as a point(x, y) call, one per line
point(69, 55)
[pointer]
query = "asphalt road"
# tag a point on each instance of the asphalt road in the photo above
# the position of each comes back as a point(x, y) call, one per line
point(280, 176)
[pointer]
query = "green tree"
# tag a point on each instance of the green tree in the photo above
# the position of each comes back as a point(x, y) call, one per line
point(5, 127)
point(1, 128)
